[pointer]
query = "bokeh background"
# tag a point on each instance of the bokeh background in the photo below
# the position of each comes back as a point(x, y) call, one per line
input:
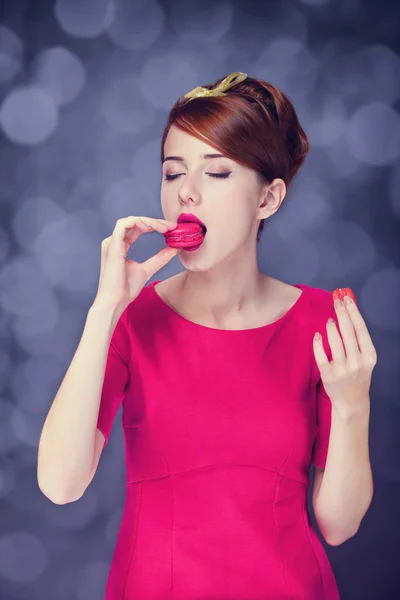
point(85, 90)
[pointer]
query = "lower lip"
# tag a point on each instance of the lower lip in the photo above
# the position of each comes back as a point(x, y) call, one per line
point(193, 248)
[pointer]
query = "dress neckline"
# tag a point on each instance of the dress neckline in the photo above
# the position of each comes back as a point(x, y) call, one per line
point(262, 328)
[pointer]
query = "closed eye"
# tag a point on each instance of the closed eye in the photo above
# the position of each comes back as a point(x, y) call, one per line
point(218, 175)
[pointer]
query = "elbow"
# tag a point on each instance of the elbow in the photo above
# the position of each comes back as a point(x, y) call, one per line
point(334, 533)
point(337, 541)
point(332, 542)
point(56, 500)
point(57, 497)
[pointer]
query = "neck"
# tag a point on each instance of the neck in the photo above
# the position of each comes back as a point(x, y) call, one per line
point(222, 294)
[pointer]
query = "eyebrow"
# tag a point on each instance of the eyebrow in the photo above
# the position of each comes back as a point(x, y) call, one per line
point(180, 159)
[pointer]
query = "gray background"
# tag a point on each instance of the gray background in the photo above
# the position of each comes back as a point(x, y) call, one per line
point(85, 90)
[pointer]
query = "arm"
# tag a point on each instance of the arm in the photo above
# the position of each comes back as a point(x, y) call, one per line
point(343, 491)
point(67, 441)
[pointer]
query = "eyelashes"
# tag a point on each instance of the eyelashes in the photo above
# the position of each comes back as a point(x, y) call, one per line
point(217, 175)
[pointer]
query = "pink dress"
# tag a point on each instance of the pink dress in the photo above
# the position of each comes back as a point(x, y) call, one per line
point(221, 428)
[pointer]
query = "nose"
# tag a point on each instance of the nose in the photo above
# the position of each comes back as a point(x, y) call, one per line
point(184, 201)
point(187, 194)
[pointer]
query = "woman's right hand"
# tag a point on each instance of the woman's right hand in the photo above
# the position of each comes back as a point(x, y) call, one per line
point(121, 280)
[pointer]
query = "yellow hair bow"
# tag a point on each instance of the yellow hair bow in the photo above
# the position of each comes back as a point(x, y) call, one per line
point(226, 84)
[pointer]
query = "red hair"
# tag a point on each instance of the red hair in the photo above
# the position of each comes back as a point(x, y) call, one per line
point(255, 124)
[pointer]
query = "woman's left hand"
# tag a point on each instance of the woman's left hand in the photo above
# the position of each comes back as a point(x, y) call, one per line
point(347, 378)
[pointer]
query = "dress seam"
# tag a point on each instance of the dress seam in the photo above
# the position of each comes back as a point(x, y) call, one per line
point(134, 543)
point(172, 530)
point(278, 479)
point(307, 526)
point(276, 527)
point(219, 465)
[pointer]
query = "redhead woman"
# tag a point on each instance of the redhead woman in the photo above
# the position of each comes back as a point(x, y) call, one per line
point(219, 376)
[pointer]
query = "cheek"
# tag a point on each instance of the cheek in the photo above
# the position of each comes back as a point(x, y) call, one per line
point(235, 210)
point(165, 199)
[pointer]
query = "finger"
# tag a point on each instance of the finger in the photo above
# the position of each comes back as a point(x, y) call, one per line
point(335, 342)
point(363, 336)
point(154, 224)
point(155, 263)
point(347, 331)
point(143, 225)
point(170, 224)
point(320, 354)
point(134, 230)
point(163, 222)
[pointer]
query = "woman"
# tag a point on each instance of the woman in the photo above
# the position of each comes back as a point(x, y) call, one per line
point(224, 411)
point(220, 408)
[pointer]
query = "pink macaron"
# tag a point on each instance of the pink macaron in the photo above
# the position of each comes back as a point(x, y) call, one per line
point(185, 235)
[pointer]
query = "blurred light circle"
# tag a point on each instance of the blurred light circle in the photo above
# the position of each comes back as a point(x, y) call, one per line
point(325, 129)
point(8, 438)
point(27, 427)
point(21, 282)
point(146, 159)
point(23, 557)
point(84, 190)
point(288, 62)
point(11, 50)
point(136, 24)
point(84, 18)
point(5, 367)
point(335, 74)
point(124, 197)
point(394, 192)
point(373, 134)
point(197, 22)
point(381, 297)
point(342, 163)
point(377, 70)
point(7, 477)
point(60, 73)
point(28, 115)
point(30, 217)
point(124, 107)
point(93, 580)
point(67, 251)
point(165, 77)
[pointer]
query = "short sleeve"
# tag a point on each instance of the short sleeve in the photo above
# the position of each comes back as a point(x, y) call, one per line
point(116, 377)
point(324, 414)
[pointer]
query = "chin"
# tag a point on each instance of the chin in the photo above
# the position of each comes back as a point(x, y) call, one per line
point(192, 263)
point(196, 260)
point(196, 263)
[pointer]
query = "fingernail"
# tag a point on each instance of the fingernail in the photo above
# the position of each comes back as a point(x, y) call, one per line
point(338, 303)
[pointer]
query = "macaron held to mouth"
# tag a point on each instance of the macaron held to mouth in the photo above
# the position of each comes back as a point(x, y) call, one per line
point(188, 236)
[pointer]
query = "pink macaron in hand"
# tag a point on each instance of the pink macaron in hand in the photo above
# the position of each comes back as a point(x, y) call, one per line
point(188, 236)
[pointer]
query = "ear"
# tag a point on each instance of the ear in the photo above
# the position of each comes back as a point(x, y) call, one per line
point(271, 198)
